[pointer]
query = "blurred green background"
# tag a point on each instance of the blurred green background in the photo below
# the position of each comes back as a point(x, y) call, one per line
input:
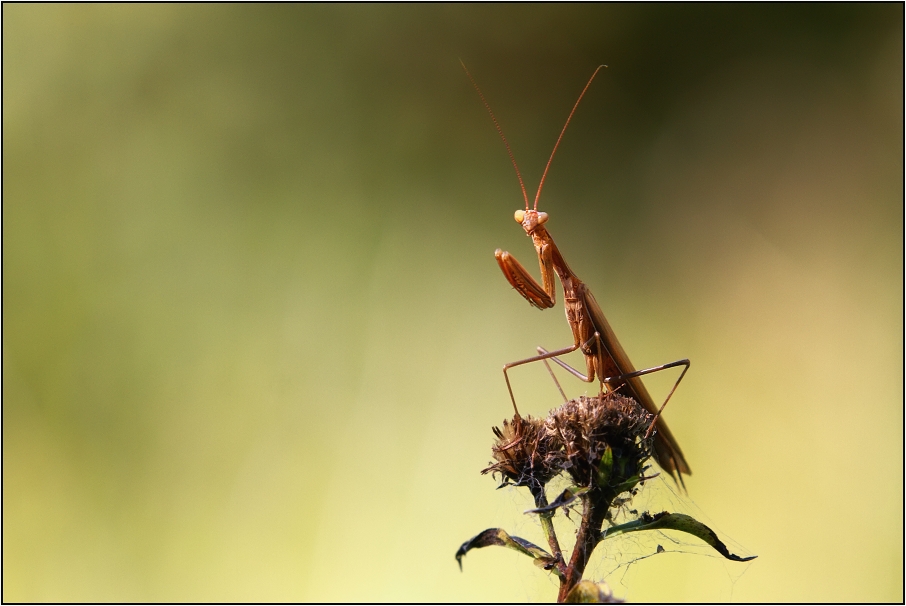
point(253, 327)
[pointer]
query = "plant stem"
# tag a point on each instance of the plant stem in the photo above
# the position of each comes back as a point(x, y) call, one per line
point(547, 525)
point(593, 514)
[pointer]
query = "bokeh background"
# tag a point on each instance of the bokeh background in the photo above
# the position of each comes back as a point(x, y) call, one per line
point(253, 327)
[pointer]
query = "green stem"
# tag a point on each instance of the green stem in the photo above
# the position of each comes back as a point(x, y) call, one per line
point(547, 525)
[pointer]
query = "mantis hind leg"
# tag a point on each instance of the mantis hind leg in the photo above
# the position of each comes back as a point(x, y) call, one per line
point(638, 373)
point(621, 379)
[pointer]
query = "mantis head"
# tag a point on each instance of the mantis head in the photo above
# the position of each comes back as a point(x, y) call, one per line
point(529, 219)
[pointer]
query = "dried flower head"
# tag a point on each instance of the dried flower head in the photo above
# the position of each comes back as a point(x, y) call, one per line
point(597, 440)
point(524, 452)
point(602, 440)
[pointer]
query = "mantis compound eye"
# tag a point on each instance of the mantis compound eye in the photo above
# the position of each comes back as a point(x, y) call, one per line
point(542, 218)
point(519, 215)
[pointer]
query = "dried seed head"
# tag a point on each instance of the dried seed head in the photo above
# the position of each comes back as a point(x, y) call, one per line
point(597, 440)
point(602, 439)
point(524, 453)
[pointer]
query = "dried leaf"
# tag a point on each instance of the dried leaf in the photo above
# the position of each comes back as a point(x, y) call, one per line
point(498, 536)
point(676, 521)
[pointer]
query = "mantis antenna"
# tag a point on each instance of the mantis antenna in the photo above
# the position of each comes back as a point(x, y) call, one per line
point(557, 144)
point(510, 151)
point(500, 130)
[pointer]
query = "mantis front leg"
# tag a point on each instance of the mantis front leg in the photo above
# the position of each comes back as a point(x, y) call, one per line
point(542, 297)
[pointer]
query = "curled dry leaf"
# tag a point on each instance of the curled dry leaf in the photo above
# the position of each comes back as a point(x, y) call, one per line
point(498, 536)
point(676, 521)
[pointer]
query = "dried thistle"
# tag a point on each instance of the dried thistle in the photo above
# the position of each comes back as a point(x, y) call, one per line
point(596, 440)
point(599, 442)
point(602, 441)
point(524, 453)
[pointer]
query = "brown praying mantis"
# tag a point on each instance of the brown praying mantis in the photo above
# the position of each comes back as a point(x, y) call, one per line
point(592, 334)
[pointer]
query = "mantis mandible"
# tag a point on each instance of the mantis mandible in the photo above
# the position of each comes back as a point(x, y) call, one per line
point(604, 356)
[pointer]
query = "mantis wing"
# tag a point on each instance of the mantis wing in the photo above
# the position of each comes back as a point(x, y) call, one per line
point(615, 361)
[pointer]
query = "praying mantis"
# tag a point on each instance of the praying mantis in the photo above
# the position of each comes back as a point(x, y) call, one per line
point(592, 334)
